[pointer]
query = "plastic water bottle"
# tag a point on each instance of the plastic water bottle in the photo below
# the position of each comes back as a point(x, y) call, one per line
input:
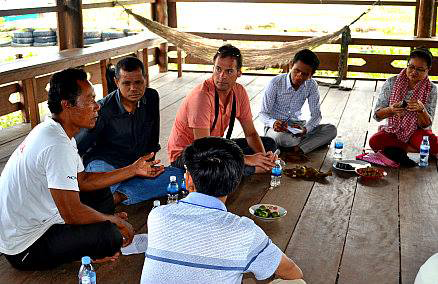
point(184, 191)
point(172, 191)
point(86, 273)
point(424, 152)
point(339, 146)
point(157, 203)
point(276, 174)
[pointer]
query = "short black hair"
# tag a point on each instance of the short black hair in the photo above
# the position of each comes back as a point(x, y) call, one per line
point(215, 164)
point(308, 57)
point(422, 53)
point(64, 86)
point(229, 50)
point(129, 64)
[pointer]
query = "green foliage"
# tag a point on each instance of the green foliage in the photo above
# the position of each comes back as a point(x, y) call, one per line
point(11, 119)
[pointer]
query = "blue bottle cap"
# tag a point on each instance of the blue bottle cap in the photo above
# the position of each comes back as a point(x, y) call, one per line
point(86, 260)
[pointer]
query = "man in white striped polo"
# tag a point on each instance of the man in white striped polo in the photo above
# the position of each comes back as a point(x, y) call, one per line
point(196, 240)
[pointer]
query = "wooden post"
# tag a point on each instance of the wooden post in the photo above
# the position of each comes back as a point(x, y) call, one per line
point(103, 80)
point(70, 26)
point(29, 93)
point(171, 14)
point(159, 14)
point(179, 61)
point(434, 18)
point(425, 16)
point(145, 57)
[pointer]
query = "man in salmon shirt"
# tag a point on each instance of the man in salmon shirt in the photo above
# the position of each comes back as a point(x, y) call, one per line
point(212, 106)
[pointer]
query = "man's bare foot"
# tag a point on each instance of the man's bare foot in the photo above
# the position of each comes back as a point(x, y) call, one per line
point(108, 258)
point(119, 197)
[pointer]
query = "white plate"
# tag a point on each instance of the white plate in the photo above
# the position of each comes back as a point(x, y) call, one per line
point(356, 164)
point(271, 207)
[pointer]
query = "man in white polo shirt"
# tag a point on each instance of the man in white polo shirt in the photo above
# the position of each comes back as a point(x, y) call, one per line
point(42, 220)
point(197, 240)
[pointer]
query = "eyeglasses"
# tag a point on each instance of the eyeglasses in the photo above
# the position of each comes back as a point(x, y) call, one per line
point(417, 69)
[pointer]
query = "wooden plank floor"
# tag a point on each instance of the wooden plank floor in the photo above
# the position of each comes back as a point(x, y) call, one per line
point(343, 230)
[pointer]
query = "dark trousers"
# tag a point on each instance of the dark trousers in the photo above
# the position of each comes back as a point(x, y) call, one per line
point(268, 143)
point(63, 243)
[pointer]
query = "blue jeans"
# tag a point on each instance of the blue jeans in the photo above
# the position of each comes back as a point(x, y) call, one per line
point(139, 189)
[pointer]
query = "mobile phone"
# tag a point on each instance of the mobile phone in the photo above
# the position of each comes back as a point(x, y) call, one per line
point(404, 104)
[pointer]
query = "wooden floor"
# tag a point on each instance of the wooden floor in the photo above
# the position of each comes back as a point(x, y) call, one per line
point(343, 230)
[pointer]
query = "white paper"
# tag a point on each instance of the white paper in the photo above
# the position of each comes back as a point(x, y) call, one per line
point(139, 245)
point(294, 130)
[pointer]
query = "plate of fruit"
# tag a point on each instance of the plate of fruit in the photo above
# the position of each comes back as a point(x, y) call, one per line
point(267, 212)
point(371, 173)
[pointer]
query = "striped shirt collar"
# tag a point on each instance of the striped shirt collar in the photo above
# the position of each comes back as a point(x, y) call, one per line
point(204, 200)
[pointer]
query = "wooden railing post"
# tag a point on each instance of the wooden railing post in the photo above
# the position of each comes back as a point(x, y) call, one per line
point(173, 22)
point(70, 26)
point(425, 17)
point(159, 14)
point(145, 58)
point(29, 95)
point(103, 63)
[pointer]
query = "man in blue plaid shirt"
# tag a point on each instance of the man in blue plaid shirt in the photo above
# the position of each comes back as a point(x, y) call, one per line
point(282, 105)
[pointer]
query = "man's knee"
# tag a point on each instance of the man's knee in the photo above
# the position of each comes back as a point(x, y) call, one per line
point(330, 130)
point(269, 144)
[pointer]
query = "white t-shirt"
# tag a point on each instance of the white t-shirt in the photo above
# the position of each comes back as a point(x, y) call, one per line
point(47, 158)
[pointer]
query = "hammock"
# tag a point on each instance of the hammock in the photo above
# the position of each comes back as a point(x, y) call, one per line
point(205, 49)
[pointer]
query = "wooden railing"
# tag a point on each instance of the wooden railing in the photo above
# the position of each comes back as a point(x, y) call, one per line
point(374, 63)
point(30, 77)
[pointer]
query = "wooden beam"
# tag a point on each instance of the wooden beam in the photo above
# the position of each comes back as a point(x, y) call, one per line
point(145, 59)
point(179, 62)
point(417, 6)
point(172, 14)
point(425, 17)
point(114, 4)
point(407, 41)
point(103, 63)
point(70, 25)
point(160, 15)
point(49, 63)
point(26, 11)
point(29, 87)
point(336, 2)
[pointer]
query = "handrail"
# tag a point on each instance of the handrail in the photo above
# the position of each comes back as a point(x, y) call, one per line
point(340, 2)
point(34, 67)
point(49, 9)
point(405, 41)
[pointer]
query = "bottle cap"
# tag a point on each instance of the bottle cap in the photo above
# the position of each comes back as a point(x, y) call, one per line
point(172, 178)
point(157, 203)
point(86, 260)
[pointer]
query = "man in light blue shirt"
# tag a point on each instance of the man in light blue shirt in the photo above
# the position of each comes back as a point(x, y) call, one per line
point(196, 240)
point(282, 105)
